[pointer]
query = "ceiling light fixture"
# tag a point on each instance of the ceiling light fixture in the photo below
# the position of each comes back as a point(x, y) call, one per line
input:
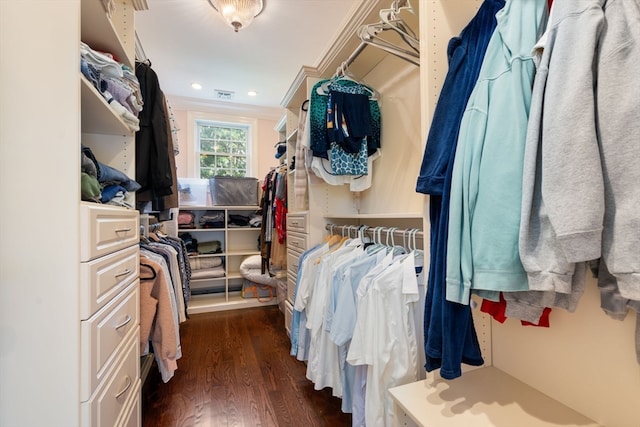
point(238, 13)
point(196, 86)
point(252, 93)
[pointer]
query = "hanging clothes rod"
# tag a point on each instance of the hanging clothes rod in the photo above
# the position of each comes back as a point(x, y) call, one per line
point(389, 20)
point(377, 233)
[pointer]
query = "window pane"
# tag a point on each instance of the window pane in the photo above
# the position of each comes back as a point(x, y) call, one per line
point(241, 163)
point(206, 144)
point(223, 149)
point(207, 161)
point(206, 173)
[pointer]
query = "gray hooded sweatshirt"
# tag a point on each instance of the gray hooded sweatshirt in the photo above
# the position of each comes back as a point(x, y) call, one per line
point(581, 191)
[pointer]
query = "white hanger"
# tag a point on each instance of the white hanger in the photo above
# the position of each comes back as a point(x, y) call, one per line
point(391, 17)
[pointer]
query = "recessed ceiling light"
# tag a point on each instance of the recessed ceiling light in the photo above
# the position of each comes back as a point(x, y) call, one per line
point(252, 93)
point(196, 86)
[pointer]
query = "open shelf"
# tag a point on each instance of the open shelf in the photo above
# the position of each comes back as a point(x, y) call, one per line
point(207, 303)
point(485, 397)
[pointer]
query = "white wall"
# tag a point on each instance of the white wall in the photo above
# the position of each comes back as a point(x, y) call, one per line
point(264, 122)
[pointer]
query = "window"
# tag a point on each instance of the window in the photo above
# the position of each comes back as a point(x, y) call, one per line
point(223, 148)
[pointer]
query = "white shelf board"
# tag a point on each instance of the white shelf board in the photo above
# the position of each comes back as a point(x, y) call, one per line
point(208, 279)
point(413, 215)
point(485, 397)
point(218, 208)
point(99, 32)
point(97, 116)
point(243, 252)
point(292, 136)
point(207, 303)
point(198, 230)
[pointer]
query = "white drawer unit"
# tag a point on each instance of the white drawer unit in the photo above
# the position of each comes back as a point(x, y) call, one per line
point(297, 241)
point(292, 260)
point(108, 403)
point(103, 337)
point(288, 315)
point(106, 229)
point(297, 222)
point(103, 278)
point(291, 287)
point(132, 414)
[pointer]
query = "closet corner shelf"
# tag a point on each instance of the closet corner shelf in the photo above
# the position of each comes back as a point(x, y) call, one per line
point(292, 136)
point(397, 215)
point(97, 115)
point(218, 208)
point(484, 397)
point(207, 303)
point(99, 32)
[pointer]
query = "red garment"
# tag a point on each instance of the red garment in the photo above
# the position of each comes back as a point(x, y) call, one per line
point(497, 311)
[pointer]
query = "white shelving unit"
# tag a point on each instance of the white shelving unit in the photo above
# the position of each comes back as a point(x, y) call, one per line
point(485, 397)
point(237, 243)
point(78, 304)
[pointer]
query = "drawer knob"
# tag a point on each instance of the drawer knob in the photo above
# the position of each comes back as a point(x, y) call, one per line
point(126, 387)
point(124, 273)
point(126, 321)
point(123, 230)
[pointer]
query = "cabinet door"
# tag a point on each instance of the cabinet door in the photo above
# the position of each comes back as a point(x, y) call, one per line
point(103, 337)
point(106, 229)
point(103, 278)
point(107, 404)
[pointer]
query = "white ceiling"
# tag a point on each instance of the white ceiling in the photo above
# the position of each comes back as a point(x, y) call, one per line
point(187, 41)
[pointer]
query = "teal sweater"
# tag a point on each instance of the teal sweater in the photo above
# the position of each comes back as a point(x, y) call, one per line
point(486, 190)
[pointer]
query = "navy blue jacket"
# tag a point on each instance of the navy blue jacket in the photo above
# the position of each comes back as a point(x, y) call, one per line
point(449, 334)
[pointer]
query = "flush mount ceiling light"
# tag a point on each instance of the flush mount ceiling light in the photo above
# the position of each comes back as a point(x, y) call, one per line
point(238, 13)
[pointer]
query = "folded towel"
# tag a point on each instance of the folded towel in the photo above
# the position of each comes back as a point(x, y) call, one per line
point(202, 263)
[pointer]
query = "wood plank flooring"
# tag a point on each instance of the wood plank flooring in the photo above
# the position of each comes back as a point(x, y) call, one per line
point(236, 371)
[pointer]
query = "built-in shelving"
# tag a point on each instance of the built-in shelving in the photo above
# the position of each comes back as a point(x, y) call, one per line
point(237, 243)
point(485, 397)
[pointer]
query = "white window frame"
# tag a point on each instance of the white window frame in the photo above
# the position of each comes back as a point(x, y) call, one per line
point(193, 140)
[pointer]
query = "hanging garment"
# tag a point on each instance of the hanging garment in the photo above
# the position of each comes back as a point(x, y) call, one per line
point(153, 168)
point(386, 342)
point(159, 315)
point(486, 183)
point(317, 139)
point(300, 173)
point(449, 334)
point(584, 209)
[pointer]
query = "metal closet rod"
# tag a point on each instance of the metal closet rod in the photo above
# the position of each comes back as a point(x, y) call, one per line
point(396, 5)
point(372, 231)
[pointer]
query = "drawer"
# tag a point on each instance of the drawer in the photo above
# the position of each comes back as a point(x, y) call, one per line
point(291, 287)
point(288, 315)
point(104, 277)
point(297, 241)
point(108, 403)
point(293, 260)
point(297, 222)
point(132, 414)
point(103, 337)
point(106, 229)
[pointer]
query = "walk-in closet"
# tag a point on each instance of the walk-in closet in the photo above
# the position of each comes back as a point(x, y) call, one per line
point(434, 225)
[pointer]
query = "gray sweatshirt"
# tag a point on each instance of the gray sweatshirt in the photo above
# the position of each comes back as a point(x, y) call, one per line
point(581, 174)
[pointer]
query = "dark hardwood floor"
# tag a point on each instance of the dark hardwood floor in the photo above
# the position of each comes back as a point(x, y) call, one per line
point(236, 370)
